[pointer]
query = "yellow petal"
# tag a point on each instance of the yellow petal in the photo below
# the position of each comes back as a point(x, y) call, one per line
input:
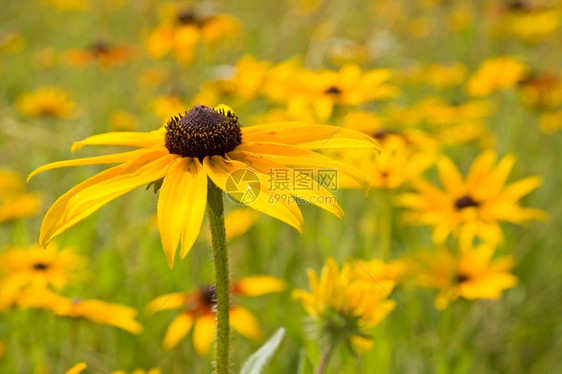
point(181, 206)
point(165, 302)
point(203, 334)
point(78, 368)
point(178, 329)
point(296, 157)
point(450, 177)
point(91, 196)
point(106, 159)
point(309, 136)
point(134, 139)
point(316, 194)
point(238, 221)
point(220, 172)
point(258, 285)
point(196, 212)
point(243, 321)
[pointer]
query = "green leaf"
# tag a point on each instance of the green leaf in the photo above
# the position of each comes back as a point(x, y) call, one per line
point(257, 362)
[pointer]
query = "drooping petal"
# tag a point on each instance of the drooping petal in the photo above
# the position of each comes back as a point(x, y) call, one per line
point(243, 321)
point(203, 334)
point(221, 173)
point(106, 159)
point(133, 139)
point(178, 329)
point(313, 192)
point(182, 196)
point(297, 157)
point(87, 197)
point(196, 213)
point(308, 136)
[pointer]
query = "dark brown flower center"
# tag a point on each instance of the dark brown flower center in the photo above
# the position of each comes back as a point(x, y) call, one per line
point(40, 266)
point(100, 47)
point(332, 90)
point(203, 132)
point(462, 278)
point(465, 202)
point(209, 295)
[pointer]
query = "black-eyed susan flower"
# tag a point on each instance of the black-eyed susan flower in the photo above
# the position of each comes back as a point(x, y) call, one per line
point(100, 52)
point(39, 267)
point(97, 311)
point(46, 102)
point(207, 144)
point(345, 306)
point(198, 312)
point(15, 202)
point(181, 30)
point(496, 74)
point(472, 207)
point(472, 274)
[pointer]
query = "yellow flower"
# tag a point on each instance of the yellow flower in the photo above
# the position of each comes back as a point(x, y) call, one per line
point(39, 267)
point(77, 369)
point(378, 270)
point(101, 53)
point(541, 91)
point(122, 121)
point(533, 25)
point(345, 304)
point(471, 275)
point(181, 31)
point(474, 206)
point(207, 144)
point(394, 166)
point(444, 75)
point(46, 102)
point(496, 74)
point(97, 311)
point(551, 121)
point(14, 201)
point(167, 106)
point(199, 312)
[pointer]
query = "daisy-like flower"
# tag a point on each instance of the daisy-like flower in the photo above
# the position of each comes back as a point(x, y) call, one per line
point(46, 102)
point(39, 267)
point(345, 305)
point(199, 312)
point(15, 202)
point(204, 144)
point(100, 52)
point(471, 275)
point(473, 206)
point(181, 31)
point(97, 311)
point(496, 74)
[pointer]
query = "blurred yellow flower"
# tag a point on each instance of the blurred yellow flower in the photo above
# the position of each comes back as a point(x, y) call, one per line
point(445, 75)
point(472, 274)
point(100, 52)
point(541, 91)
point(14, 201)
point(181, 30)
point(532, 25)
point(551, 121)
point(97, 311)
point(376, 270)
point(46, 102)
point(206, 145)
point(69, 5)
point(345, 305)
point(394, 166)
point(496, 74)
point(167, 106)
point(39, 267)
point(122, 121)
point(199, 312)
point(472, 207)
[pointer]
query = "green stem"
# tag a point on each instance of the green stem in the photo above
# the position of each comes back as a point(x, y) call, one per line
point(385, 223)
point(323, 365)
point(216, 222)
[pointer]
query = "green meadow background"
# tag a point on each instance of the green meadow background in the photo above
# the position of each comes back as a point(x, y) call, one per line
point(520, 333)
